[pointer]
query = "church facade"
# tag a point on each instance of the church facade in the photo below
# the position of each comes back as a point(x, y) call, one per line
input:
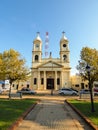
point(50, 73)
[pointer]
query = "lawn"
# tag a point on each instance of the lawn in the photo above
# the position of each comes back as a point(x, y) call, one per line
point(11, 110)
point(85, 108)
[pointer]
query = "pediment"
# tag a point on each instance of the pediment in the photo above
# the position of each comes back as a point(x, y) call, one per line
point(50, 64)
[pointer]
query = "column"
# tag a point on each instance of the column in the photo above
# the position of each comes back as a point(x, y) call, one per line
point(38, 82)
point(55, 80)
point(32, 78)
point(44, 80)
point(61, 80)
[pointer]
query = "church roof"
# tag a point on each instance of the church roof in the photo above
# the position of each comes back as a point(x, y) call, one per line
point(50, 64)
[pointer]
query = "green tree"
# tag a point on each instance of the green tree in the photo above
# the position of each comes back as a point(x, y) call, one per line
point(12, 66)
point(88, 56)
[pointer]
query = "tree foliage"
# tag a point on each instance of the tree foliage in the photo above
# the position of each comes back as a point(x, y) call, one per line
point(12, 66)
point(88, 56)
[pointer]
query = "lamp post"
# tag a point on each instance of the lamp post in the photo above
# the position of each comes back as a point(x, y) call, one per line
point(52, 81)
point(88, 69)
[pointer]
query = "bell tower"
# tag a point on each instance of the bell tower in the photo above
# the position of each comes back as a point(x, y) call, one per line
point(64, 49)
point(37, 49)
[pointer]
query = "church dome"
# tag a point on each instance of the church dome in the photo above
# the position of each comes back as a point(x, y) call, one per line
point(64, 38)
point(38, 37)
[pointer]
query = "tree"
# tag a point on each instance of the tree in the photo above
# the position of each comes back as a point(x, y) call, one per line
point(88, 56)
point(12, 66)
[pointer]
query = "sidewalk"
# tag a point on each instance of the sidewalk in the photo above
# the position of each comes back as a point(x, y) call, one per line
point(52, 115)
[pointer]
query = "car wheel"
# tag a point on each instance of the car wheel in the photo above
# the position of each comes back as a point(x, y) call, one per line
point(74, 94)
point(62, 94)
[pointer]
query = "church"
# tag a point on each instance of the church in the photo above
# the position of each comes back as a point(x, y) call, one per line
point(50, 73)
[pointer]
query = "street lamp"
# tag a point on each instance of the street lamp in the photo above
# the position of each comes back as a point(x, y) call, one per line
point(52, 81)
point(88, 69)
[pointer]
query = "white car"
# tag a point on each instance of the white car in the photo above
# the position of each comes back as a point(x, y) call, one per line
point(26, 91)
point(67, 91)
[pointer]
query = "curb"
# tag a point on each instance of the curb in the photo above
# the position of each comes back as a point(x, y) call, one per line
point(19, 120)
point(88, 121)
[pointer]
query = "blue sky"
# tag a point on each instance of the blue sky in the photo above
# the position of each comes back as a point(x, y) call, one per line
point(21, 19)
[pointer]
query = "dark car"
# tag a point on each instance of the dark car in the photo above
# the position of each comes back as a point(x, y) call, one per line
point(95, 91)
point(26, 91)
point(84, 91)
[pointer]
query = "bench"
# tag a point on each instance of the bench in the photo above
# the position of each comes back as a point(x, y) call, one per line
point(14, 95)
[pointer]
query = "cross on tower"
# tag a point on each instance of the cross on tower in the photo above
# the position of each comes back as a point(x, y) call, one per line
point(38, 33)
point(63, 32)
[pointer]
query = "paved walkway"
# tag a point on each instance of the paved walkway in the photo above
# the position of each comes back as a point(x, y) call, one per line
point(52, 115)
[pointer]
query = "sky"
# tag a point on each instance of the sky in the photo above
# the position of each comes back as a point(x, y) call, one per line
point(20, 20)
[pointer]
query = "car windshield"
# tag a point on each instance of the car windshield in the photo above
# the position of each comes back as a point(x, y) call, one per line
point(66, 89)
point(86, 90)
point(25, 89)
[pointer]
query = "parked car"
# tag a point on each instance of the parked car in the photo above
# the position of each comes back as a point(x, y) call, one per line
point(0, 91)
point(84, 91)
point(74, 89)
point(95, 91)
point(26, 91)
point(67, 91)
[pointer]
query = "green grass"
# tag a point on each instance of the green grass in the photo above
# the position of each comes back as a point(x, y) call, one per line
point(11, 110)
point(85, 108)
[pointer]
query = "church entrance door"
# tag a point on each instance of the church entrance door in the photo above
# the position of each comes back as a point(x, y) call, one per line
point(50, 83)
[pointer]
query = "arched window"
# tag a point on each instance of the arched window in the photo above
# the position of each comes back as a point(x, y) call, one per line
point(36, 57)
point(64, 57)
